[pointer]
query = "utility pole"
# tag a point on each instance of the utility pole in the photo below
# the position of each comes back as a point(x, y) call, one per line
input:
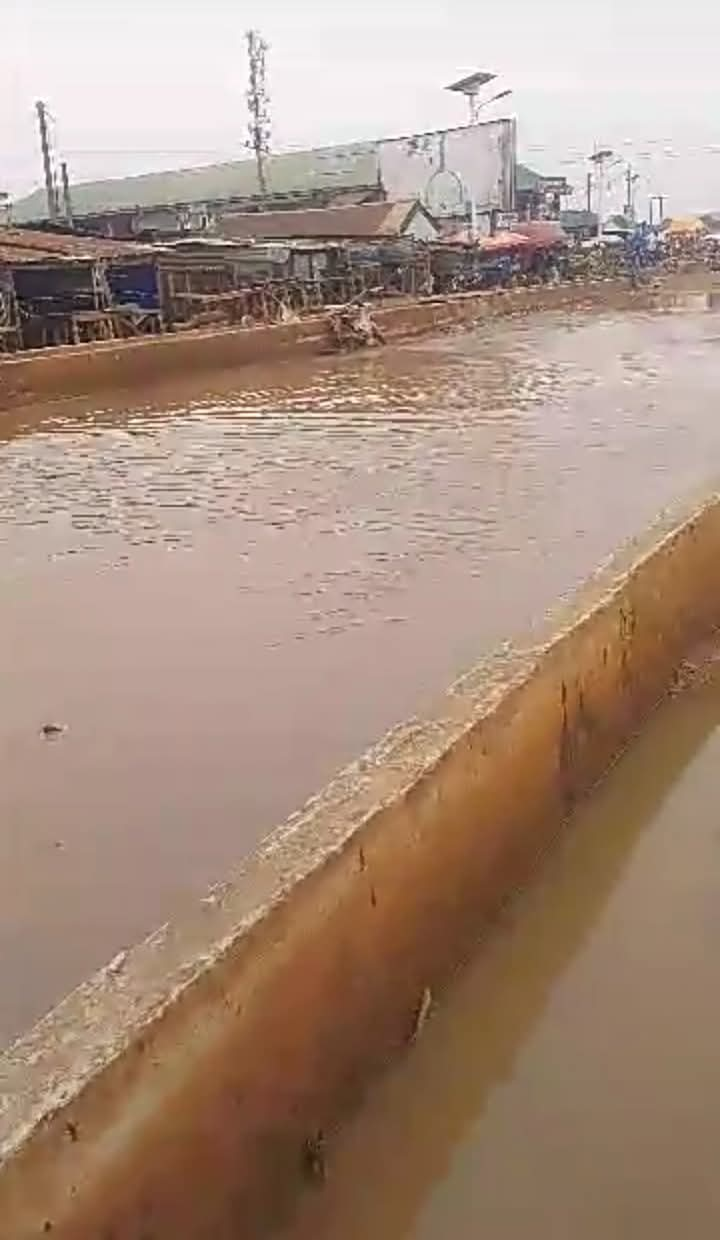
point(631, 178)
point(660, 200)
point(589, 191)
point(50, 187)
point(258, 102)
point(67, 201)
point(599, 158)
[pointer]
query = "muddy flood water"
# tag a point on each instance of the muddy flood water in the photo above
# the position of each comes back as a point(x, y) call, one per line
point(567, 1084)
point(223, 595)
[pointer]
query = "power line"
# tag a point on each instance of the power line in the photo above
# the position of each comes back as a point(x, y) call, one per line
point(160, 150)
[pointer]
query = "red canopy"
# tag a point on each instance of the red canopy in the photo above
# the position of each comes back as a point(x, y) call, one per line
point(542, 233)
point(503, 241)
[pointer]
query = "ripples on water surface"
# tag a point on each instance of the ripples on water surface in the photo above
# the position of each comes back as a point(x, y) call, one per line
point(227, 595)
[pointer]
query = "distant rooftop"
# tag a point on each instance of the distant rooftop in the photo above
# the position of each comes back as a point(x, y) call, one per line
point(26, 245)
point(527, 180)
point(322, 173)
point(335, 167)
point(578, 220)
point(366, 220)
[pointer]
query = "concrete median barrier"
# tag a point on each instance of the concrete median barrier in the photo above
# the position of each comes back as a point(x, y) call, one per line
point(189, 1089)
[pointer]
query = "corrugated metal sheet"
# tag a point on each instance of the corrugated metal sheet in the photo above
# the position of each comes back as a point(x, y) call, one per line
point(503, 241)
point(24, 245)
point(372, 219)
point(577, 220)
point(335, 167)
point(483, 155)
point(527, 181)
point(542, 232)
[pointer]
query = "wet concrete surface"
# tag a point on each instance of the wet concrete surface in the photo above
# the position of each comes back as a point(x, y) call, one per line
point(225, 595)
point(567, 1084)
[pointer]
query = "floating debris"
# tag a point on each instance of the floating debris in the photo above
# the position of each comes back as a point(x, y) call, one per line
point(314, 1162)
point(52, 731)
point(117, 964)
point(422, 1014)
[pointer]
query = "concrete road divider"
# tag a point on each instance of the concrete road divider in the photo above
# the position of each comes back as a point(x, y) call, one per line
point(190, 1088)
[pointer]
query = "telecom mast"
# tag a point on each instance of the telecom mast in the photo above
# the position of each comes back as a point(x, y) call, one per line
point(258, 102)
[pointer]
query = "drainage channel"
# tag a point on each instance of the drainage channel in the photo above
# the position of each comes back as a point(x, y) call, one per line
point(222, 598)
point(568, 1083)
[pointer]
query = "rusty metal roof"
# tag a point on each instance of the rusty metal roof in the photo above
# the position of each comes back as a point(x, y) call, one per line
point(542, 233)
point(372, 219)
point(26, 245)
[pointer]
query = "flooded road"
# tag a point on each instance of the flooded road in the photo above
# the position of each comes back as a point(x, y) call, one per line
point(226, 595)
point(568, 1084)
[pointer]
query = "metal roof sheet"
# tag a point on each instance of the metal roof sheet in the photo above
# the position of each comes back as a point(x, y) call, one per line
point(335, 167)
point(349, 167)
point(26, 245)
point(372, 219)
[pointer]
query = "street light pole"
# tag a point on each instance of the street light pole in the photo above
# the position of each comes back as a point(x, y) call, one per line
point(660, 200)
point(473, 218)
point(485, 103)
point(631, 179)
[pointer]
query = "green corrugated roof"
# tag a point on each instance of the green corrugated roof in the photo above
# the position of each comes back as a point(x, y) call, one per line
point(578, 217)
point(526, 181)
point(338, 167)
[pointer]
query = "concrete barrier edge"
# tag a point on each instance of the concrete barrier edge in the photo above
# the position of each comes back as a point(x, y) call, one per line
point(131, 365)
point(184, 1090)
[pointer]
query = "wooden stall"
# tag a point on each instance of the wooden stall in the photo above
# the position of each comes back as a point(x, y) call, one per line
point(62, 288)
point(10, 329)
point(63, 301)
point(134, 289)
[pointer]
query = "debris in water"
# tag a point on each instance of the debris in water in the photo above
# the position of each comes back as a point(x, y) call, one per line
point(51, 731)
point(422, 1014)
point(314, 1163)
point(117, 963)
point(689, 674)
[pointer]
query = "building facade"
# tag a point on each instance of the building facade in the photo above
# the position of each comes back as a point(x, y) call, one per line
point(451, 171)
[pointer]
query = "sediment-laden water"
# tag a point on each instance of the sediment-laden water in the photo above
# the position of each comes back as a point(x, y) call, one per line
point(222, 596)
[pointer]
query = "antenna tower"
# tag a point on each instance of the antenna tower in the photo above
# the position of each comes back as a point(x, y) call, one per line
point(258, 102)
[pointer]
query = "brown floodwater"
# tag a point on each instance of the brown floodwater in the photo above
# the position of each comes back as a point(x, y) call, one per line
point(568, 1083)
point(224, 595)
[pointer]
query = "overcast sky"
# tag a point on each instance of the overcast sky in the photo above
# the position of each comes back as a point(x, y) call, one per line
point(137, 85)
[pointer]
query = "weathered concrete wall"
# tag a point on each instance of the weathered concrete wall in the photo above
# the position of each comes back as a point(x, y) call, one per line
point(482, 159)
point(178, 1094)
point(50, 374)
point(87, 371)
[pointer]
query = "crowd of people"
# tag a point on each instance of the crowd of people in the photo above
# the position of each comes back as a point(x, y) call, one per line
point(643, 249)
